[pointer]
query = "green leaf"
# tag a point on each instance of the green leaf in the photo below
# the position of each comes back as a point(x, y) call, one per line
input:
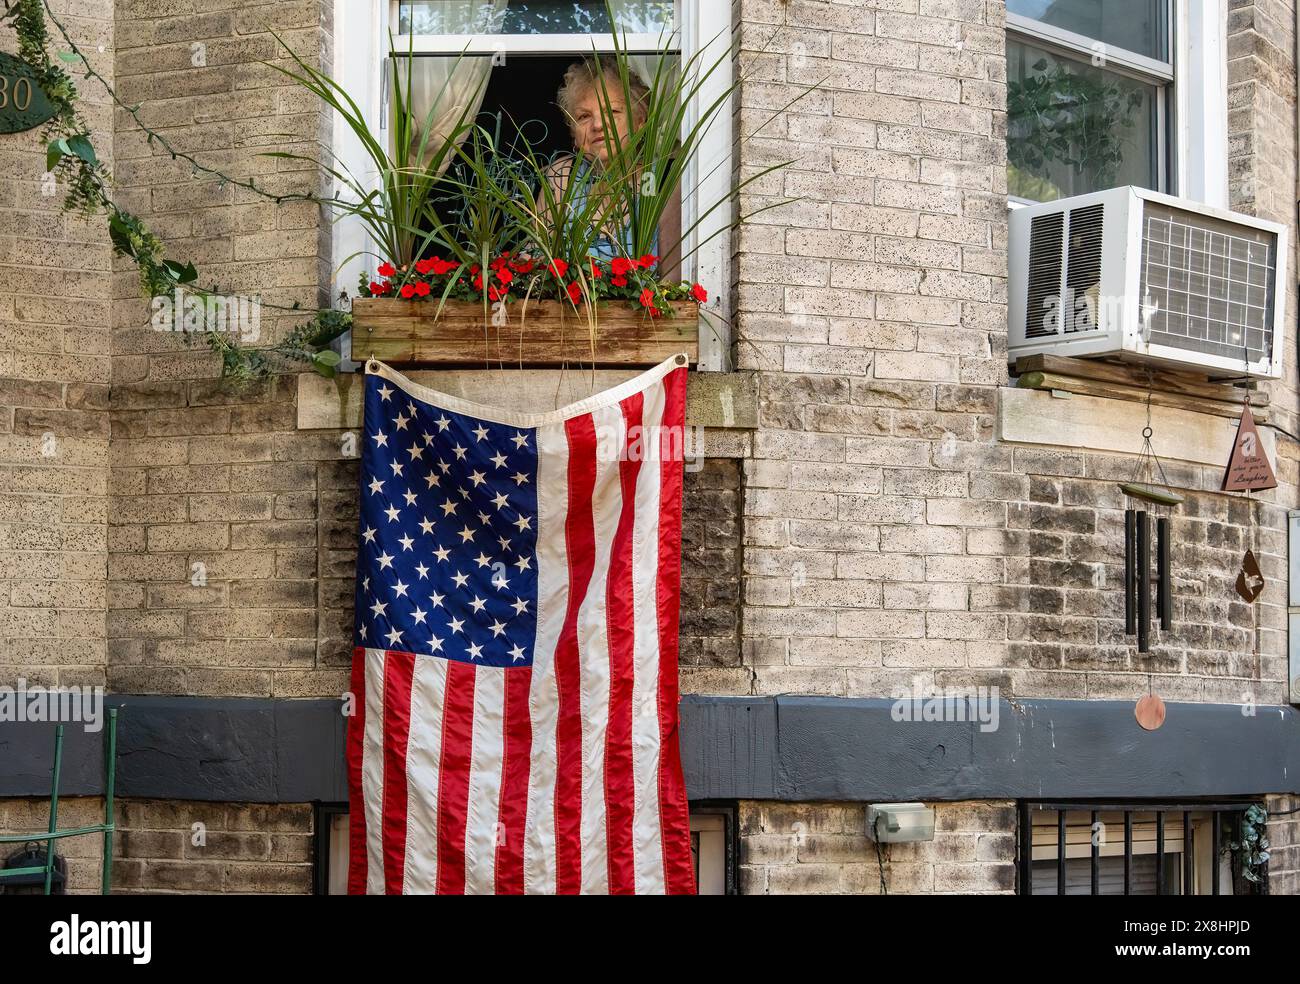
point(54, 153)
point(326, 363)
point(182, 273)
point(81, 146)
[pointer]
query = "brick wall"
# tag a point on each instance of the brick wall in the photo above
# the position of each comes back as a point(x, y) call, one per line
point(163, 847)
point(822, 849)
point(889, 536)
point(221, 562)
point(54, 376)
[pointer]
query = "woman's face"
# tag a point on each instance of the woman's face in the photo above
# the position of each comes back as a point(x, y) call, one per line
point(590, 133)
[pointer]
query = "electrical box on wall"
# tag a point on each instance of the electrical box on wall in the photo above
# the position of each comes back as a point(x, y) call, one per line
point(900, 823)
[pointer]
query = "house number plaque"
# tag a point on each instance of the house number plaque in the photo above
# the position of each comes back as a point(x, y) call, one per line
point(23, 103)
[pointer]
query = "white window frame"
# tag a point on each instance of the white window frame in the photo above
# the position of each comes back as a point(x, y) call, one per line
point(360, 66)
point(1192, 153)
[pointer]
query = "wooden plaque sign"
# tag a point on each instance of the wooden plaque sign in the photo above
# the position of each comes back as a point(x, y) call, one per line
point(1249, 469)
point(23, 103)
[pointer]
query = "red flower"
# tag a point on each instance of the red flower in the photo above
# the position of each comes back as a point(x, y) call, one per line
point(441, 267)
point(619, 281)
point(595, 270)
point(423, 267)
point(648, 261)
point(422, 289)
point(504, 275)
point(700, 294)
point(523, 266)
point(408, 291)
point(496, 293)
point(474, 268)
point(621, 266)
point(387, 270)
point(648, 299)
point(478, 282)
point(378, 289)
point(575, 292)
point(558, 269)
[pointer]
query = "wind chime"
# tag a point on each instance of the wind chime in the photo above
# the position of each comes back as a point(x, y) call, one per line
point(1160, 501)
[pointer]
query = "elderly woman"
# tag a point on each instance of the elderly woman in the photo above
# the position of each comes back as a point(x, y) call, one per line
point(593, 100)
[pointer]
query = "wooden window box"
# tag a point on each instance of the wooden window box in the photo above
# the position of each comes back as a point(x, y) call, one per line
point(536, 334)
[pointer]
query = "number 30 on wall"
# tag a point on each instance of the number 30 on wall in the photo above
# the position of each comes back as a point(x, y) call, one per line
point(23, 103)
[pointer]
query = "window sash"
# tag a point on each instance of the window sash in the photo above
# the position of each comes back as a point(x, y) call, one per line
point(1164, 97)
point(1117, 59)
point(536, 44)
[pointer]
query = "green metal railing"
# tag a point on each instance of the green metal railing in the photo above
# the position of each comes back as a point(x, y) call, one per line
point(50, 836)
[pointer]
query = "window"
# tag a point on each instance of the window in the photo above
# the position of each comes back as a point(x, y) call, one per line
point(1089, 87)
point(712, 849)
point(508, 58)
point(1126, 849)
point(1102, 93)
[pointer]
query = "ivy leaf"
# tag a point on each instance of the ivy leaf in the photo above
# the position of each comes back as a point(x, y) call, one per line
point(182, 273)
point(326, 363)
point(80, 146)
point(54, 153)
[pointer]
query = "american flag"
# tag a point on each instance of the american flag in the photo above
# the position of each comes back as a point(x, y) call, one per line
point(515, 656)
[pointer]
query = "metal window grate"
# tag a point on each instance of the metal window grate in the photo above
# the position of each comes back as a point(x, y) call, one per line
point(1207, 286)
point(1086, 848)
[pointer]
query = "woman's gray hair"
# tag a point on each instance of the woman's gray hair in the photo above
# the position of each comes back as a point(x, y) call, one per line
point(587, 75)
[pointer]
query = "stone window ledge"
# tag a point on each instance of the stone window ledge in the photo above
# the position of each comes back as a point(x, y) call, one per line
point(1073, 421)
point(725, 404)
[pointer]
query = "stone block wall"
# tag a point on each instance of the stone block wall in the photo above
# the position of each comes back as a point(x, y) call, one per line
point(823, 849)
point(54, 381)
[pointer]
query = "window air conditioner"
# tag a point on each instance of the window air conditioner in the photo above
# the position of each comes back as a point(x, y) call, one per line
point(1141, 276)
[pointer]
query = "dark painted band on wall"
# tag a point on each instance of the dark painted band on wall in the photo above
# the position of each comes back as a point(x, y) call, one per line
point(782, 748)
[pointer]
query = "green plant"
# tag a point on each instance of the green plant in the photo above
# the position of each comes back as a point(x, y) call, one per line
point(1250, 845)
point(1076, 117)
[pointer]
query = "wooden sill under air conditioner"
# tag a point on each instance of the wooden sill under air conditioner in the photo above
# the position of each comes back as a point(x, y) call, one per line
point(1122, 381)
point(537, 334)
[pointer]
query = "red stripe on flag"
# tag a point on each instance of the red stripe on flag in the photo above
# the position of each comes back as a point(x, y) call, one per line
point(674, 816)
point(621, 632)
point(357, 872)
point(399, 668)
point(580, 540)
point(514, 781)
point(453, 775)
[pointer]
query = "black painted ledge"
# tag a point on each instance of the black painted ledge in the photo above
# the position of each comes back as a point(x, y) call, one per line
point(780, 748)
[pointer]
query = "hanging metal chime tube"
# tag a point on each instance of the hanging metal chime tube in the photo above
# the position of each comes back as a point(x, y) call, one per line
point(1164, 594)
point(1130, 571)
point(1144, 581)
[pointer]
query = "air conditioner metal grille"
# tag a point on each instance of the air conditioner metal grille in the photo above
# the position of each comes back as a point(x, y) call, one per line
point(1083, 267)
point(1046, 234)
point(1207, 285)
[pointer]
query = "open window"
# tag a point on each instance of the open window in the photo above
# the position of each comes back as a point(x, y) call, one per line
point(503, 62)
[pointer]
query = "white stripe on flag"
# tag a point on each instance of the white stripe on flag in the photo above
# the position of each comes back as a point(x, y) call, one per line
point(423, 754)
point(372, 771)
point(487, 752)
point(593, 649)
point(543, 699)
point(647, 844)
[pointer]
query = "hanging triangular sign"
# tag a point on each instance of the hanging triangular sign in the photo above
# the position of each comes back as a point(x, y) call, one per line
point(1248, 469)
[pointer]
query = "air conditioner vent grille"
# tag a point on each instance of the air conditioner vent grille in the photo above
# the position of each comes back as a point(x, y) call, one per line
point(1207, 285)
point(1083, 268)
point(1046, 233)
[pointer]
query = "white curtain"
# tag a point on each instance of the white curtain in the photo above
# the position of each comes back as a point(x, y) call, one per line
point(452, 87)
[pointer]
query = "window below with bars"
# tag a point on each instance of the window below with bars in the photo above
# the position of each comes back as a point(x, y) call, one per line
point(1127, 848)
